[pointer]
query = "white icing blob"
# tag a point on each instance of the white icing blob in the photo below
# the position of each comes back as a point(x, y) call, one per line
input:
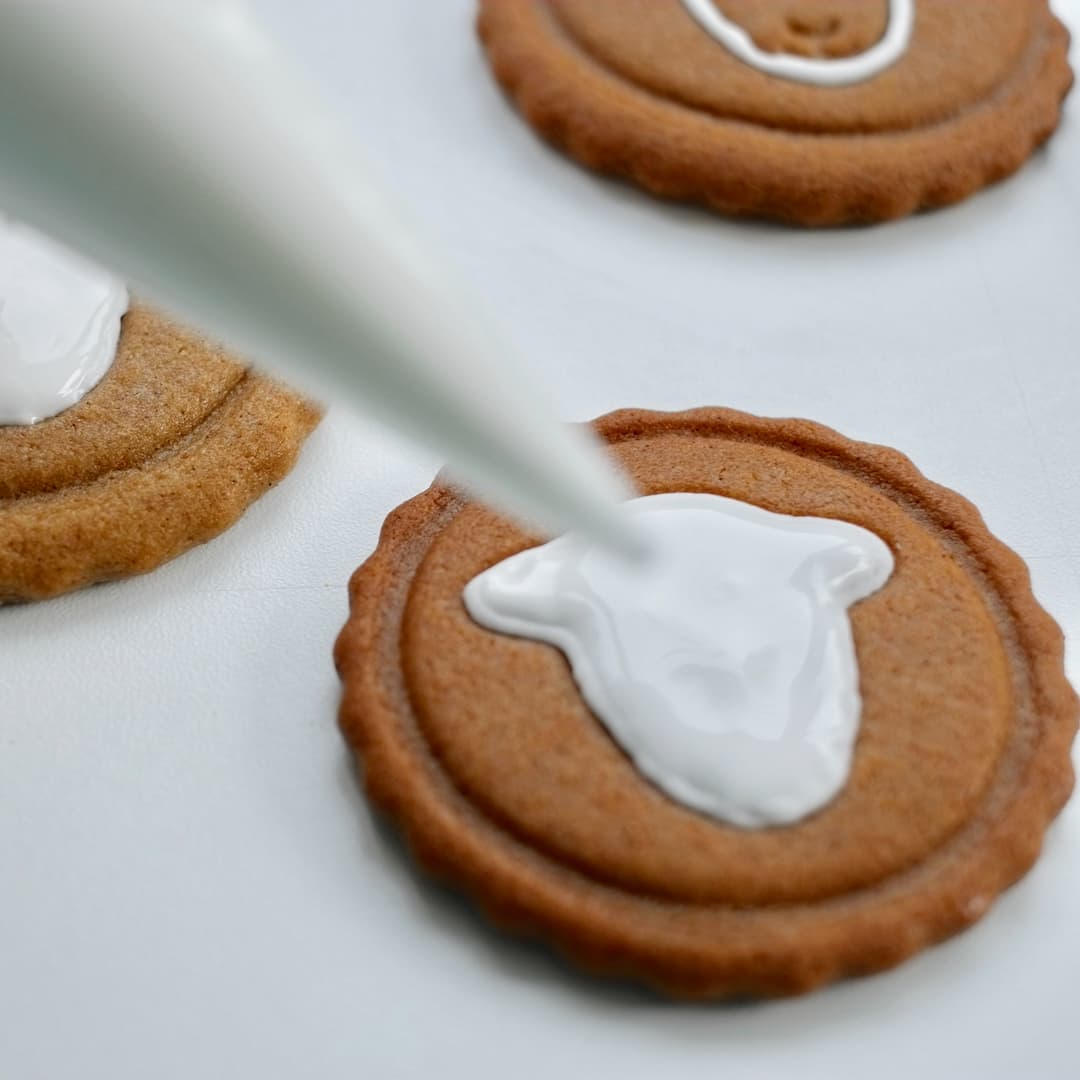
point(59, 325)
point(724, 666)
point(831, 71)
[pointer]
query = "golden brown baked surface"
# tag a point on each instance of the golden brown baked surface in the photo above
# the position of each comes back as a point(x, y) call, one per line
point(166, 452)
point(638, 89)
point(482, 748)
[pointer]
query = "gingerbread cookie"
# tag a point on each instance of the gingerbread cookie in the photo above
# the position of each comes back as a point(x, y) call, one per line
point(717, 825)
point(124, 439)
point(812, 111)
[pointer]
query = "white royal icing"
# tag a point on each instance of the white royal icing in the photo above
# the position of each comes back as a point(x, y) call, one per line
point(59, 325)
point(724, 665)
point(829, 71)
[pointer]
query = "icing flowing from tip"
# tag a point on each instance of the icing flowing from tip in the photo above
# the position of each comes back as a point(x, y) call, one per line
point(724, 666)
point(59, 325)
point(818, 71)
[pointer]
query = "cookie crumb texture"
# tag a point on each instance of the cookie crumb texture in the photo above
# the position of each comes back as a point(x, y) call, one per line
point(636, 88)
point(482, 749)
point(167, 452)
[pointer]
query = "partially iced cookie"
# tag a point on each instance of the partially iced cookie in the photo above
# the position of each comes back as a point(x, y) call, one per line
point(812, 111)
point(624, 835)
point(125, 440)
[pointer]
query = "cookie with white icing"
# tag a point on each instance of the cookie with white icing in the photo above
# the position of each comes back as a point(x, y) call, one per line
point(812, 111)
point(125, 439)
point(689, 832)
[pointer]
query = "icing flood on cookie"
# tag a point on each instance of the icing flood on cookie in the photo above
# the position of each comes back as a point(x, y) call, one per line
point(59, 325)
point(724, 667)
point(818, 71)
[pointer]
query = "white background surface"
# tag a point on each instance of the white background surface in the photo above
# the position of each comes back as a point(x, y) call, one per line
point(192, 885)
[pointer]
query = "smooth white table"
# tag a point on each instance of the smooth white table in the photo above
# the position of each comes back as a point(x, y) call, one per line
point(192, 884)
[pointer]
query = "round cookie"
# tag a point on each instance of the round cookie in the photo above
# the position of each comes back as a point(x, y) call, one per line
point(482, 749)
point(640, 89)
point(165, 453)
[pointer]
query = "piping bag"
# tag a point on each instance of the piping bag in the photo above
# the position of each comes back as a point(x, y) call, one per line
point(173, 141)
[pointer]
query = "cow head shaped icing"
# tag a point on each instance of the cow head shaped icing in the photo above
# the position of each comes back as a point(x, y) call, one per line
point(724, 667)
point(823, 42)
